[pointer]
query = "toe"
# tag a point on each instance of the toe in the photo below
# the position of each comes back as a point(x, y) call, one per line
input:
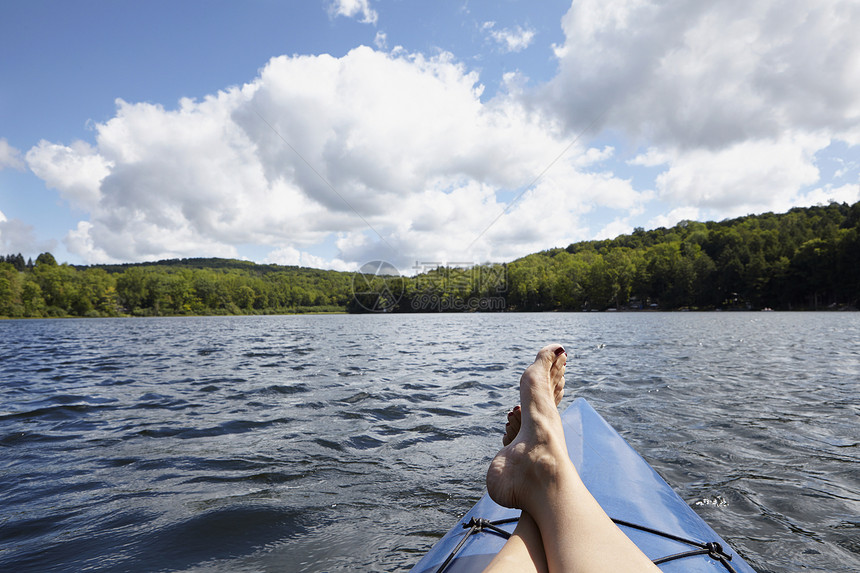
point(559, 392)
point(559, 361)
point(549, 353)
point(557, 373)
point(512, 428)
point(538, 384)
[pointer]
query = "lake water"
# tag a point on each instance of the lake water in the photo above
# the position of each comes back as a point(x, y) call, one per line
point(352, 443)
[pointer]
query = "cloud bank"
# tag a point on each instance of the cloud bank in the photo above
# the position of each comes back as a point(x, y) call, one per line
point(392, 157)
point(737, 97)
point(401, 157)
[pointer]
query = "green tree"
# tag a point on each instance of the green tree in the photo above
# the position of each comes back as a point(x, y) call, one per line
point(7, 298)
point(245, 297)
point(32, 300)
point(131, 289)
point(46, 259)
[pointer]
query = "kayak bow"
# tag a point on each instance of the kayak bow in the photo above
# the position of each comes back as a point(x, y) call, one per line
point(643, 505)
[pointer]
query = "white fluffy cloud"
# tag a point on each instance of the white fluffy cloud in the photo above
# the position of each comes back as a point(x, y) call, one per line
point(823, 195)
point(514, 39)
point(733, 98)
point(76, 171)
point(709, 74)
point(381, 40)
point(17, 236)
point(9, 156)
point(402, 157)
point(674, 217)
point(746, 177)
point(294, 257)
point(354, 9)
point(395, 155)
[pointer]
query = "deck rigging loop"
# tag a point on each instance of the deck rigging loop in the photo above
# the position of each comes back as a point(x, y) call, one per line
point(712, 549)
point(477, 525)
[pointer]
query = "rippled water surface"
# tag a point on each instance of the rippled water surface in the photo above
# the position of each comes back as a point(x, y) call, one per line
point(352, 443)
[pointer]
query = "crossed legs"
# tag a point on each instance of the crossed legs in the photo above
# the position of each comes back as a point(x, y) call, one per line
point(563, 528)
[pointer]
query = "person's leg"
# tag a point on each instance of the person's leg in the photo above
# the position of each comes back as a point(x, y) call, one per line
point(535, 474)
point(522, 552)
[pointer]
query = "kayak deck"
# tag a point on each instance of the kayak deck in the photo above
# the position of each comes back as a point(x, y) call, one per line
point(628, 489)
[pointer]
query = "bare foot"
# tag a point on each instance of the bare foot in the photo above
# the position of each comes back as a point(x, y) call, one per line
point(515, 416)
point(539, 449)
point(534, 473)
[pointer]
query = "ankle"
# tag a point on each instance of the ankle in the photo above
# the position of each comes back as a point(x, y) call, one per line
point(549, 460)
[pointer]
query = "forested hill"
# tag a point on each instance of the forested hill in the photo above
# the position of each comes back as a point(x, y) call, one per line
point(808, 258)
point(168, 288)
point(206, 263)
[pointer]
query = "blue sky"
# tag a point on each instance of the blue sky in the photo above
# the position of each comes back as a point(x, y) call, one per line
point(336, 132)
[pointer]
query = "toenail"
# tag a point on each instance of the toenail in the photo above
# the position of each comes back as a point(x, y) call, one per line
point(559, 350)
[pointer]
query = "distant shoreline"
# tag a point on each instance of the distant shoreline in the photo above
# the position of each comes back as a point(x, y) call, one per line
point(841, 309)
point(805, 259)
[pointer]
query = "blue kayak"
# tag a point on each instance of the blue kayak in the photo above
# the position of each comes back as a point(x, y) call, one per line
point(644, 506)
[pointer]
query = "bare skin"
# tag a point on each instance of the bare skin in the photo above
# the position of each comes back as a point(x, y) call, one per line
point(515, 416)
point(523, 553)
point(534, 473)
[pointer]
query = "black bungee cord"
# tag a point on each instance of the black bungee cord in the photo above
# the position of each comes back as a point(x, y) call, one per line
point(712, 549)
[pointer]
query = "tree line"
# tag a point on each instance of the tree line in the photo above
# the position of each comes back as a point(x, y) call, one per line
point(807, 258)
point(168, 288)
